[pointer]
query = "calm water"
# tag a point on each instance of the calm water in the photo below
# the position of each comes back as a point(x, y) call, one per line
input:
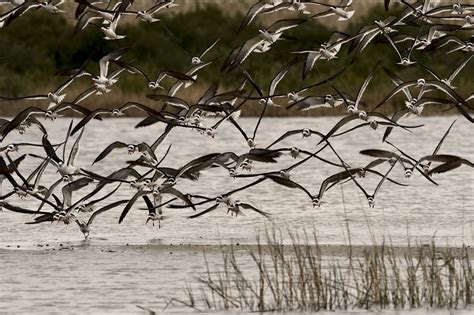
point(94, 279)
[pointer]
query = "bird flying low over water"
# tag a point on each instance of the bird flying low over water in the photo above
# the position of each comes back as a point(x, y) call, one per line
point(415, 59)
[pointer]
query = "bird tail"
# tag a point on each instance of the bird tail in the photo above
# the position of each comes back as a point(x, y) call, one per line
point(189, 83)
point(348, 16)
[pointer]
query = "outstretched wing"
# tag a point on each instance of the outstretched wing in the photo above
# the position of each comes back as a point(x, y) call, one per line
point(108, 149)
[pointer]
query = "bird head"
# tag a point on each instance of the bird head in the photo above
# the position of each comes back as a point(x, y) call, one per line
point(426, 168)
point(232, 172)
point(371, 201)
point(295, 152)
point(285, 174)
point(251, 143)
point(117, 112)
point(53, 98)
point(21, 129)
point(50, 115)
point(373, 124)
point(392, 160)
point(211, 132)
point(80, 207)
point(153, 85)
point(361, 172)
point(406, 62)
point(67, 178)
point(12, 148)
point(102, 88)
point(131, 148)
point(292, 96)
point(156, 191)
point(328, 98)
point(363, 115)
point(316, 201)
point(246, 165)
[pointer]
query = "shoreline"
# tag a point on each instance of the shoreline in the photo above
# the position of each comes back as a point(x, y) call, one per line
point(331, 250)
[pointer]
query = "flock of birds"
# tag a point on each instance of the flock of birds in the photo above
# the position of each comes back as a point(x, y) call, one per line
point(439, 28)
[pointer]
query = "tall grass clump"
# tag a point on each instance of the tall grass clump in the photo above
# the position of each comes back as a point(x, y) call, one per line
point(300, 277)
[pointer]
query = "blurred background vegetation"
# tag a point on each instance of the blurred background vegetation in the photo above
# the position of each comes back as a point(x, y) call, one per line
point(36, 45)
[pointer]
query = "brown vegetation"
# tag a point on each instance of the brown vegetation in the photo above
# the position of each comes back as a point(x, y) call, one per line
point(300, 278)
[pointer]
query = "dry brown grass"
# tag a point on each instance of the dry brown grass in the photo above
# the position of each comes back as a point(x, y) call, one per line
point(298, 277)
point(191, 94)
point(236, 7)
point(242, 6)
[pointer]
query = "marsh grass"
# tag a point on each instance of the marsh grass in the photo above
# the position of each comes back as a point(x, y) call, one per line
point(299, 277)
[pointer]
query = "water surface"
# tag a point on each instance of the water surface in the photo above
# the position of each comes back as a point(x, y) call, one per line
point(104, 275)
point(421, 211)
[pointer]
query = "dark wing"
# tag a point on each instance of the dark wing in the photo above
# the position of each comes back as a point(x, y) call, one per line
point(394, 92)
point(383, 178)
point(379, 123)
point(308, 102)
point(251, 14)
point(335, 178)
point(249, 206)
point(49, 149)
point(288, 183)
point(285, 135)
point(175, 74)
point(13, 208)
point(68, 133)
point(49, 192)
point(15, 122)
point(68, 189)
point(130, 203)
point(197, 165)
point(338, 125)
point(285, 24)
point(179, 195)
point(261, 155)
point(87, 118)
point(214, 207)
point(379, 153)
point(440, 143)
point(309, 62)
point(149, 205)
point(108, 149)
point(131, 68)
point(74, 149)
point(396, 117)
point(365, 84)
point(174, 101)
point(448, 166)
point(34, 121)
point(144, 147)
